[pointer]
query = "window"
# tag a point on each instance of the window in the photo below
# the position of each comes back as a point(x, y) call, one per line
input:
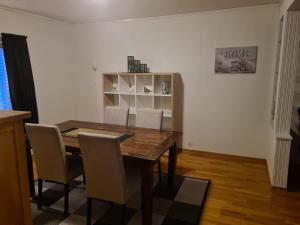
point(5, 102)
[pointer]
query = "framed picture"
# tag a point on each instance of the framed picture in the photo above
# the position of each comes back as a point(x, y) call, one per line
point(236, 60)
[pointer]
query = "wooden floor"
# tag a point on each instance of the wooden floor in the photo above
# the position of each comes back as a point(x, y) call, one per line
point(240, 193)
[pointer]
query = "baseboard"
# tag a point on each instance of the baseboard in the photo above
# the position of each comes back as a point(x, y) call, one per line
point(224, 155)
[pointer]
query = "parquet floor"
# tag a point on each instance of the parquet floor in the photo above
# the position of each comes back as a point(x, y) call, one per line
point(240, 193)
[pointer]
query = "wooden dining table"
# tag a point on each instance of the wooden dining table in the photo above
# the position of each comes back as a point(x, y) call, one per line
point(143, 147)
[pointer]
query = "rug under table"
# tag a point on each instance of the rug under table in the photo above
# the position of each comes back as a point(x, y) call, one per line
point(182, 206)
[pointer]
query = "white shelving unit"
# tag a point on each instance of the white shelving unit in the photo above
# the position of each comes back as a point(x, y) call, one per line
point(144, 90)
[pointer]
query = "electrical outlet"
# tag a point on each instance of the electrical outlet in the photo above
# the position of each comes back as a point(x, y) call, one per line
point(190, 143)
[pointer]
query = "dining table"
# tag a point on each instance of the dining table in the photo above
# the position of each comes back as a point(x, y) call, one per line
point(142, 147)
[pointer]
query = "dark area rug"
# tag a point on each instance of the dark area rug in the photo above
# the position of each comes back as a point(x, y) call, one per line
point(182, 206)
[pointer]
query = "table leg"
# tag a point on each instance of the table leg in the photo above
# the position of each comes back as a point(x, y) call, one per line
point(172, 166)
point(147, 192)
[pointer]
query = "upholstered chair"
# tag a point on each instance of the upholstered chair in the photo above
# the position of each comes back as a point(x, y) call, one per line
point(116, 115)
point(106, 177)
point(152, 119)
point(149, 118)
point(52, 162)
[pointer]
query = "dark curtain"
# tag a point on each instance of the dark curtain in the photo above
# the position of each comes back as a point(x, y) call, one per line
point(19, 73)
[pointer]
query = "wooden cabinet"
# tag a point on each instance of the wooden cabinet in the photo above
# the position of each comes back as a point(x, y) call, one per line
point(14, 189)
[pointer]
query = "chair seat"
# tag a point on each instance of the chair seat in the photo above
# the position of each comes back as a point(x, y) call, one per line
point(74, 165)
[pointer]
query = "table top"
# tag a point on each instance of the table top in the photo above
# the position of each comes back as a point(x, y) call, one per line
point(147, 144)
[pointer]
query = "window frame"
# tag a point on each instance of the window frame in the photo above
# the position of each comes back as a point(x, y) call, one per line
point(9, 105)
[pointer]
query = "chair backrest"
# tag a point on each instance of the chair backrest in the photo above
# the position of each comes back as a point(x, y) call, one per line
point(116, 115)
point(49, 152)
point(149, 118)
point(103, 167)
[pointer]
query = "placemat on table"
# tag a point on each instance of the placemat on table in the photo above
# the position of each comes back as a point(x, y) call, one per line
point(105, 133)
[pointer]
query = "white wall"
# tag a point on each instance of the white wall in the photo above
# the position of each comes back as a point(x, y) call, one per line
point(228, 114)
point(52, 52)
point(222, 113)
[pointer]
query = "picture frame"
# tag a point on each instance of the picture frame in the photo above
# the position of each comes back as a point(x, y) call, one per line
point(236, 60)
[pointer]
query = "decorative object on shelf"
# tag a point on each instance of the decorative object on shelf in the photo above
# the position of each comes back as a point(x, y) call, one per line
point(115, 87)
point(165, 87)
point(130, 61)
point(131, 88)
point(135, 66)
point(148, 89)
point(143, 68)
point(236, 60)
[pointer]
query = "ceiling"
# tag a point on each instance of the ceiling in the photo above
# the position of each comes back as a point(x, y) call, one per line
point(83, 11)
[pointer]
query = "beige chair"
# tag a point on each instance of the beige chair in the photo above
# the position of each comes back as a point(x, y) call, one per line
point(152, 119)
point(149, 118)
point(106, 178)
point(52, 163)
point(116, 115)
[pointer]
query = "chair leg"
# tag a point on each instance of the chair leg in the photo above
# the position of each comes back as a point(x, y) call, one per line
point(89, 211)
point(123, 216)
point(159, 171)
point(66, 190)
point(83, 175)
point(40, 192)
